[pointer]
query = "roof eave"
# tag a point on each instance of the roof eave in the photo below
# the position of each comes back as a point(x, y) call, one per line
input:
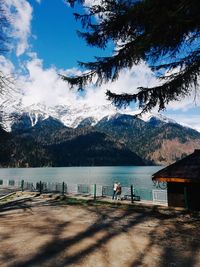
point(172, 179)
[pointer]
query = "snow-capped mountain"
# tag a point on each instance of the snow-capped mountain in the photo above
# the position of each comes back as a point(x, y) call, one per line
point(40, 137)
point(69, 116)
point(72, 117)
point(152, 116)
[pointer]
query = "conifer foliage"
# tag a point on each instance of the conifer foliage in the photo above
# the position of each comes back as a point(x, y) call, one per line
point(165, 34)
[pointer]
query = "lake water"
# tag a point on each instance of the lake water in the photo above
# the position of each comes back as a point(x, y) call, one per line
point(139, 177)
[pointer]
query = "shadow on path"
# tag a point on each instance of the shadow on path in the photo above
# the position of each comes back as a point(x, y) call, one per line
point(168, 231)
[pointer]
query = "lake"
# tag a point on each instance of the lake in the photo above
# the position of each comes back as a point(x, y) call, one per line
point(139, 177)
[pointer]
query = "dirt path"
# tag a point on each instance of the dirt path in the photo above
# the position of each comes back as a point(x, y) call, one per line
point(38, 232)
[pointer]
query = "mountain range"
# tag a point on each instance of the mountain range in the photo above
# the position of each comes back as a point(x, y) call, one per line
point(40, 136)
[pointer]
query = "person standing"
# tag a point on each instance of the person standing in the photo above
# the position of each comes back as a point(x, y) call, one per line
point(114, 190)
point(118, 191)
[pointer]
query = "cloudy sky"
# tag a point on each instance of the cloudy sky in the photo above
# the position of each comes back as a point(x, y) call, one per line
point(44, 44)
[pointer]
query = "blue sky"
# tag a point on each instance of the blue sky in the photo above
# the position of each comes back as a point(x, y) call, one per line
point(57, 42)
point(45, 43)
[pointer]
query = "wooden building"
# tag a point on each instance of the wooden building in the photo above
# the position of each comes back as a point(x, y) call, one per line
point(183, 182)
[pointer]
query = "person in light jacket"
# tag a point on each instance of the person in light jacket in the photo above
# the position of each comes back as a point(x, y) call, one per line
point(114, 190)
point(118, 191)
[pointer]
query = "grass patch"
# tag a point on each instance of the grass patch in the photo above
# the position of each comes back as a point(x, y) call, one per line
point(85, 202)
point(7, 199)
point(80, 201)
point(151, 210)
point(65, 200)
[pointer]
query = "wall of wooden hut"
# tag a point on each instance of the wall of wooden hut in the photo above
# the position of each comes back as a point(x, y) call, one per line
point(183, 180)
point(186, 195)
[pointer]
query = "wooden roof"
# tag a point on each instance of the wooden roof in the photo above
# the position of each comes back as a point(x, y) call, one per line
point(184, 170)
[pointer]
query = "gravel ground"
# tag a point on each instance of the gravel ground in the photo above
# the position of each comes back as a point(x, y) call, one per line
point(37, 231)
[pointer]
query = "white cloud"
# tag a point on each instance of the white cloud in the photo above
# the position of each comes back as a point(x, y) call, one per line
point(6, 66)
point(43, 85)
point(127, 82)
point(92, 2)
point(185, 103)
point(187, 119)
point(19, 13)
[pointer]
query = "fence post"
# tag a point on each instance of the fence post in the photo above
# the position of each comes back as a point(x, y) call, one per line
point(40, 187)
point(63, 188)
point(131, 193)
point(22, 185)
point(95, 191)
point(186, 197)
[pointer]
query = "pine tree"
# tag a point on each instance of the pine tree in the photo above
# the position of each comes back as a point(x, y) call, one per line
point(165, 34)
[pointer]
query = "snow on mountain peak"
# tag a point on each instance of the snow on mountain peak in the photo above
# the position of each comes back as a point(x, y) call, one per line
point(69, 116)
point(72, 116)
point(148, 116)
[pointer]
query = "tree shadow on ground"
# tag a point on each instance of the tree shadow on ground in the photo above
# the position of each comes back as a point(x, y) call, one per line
point(184, 255)
point(168, 231)
point(178, 242)
point(24, 204)
point(109, 224)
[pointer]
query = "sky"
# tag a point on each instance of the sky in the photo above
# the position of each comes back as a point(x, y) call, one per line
point(45, 44)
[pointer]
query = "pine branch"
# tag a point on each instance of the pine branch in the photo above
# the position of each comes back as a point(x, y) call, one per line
point(150, 30)
point(79, 81)
point(178, 87)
